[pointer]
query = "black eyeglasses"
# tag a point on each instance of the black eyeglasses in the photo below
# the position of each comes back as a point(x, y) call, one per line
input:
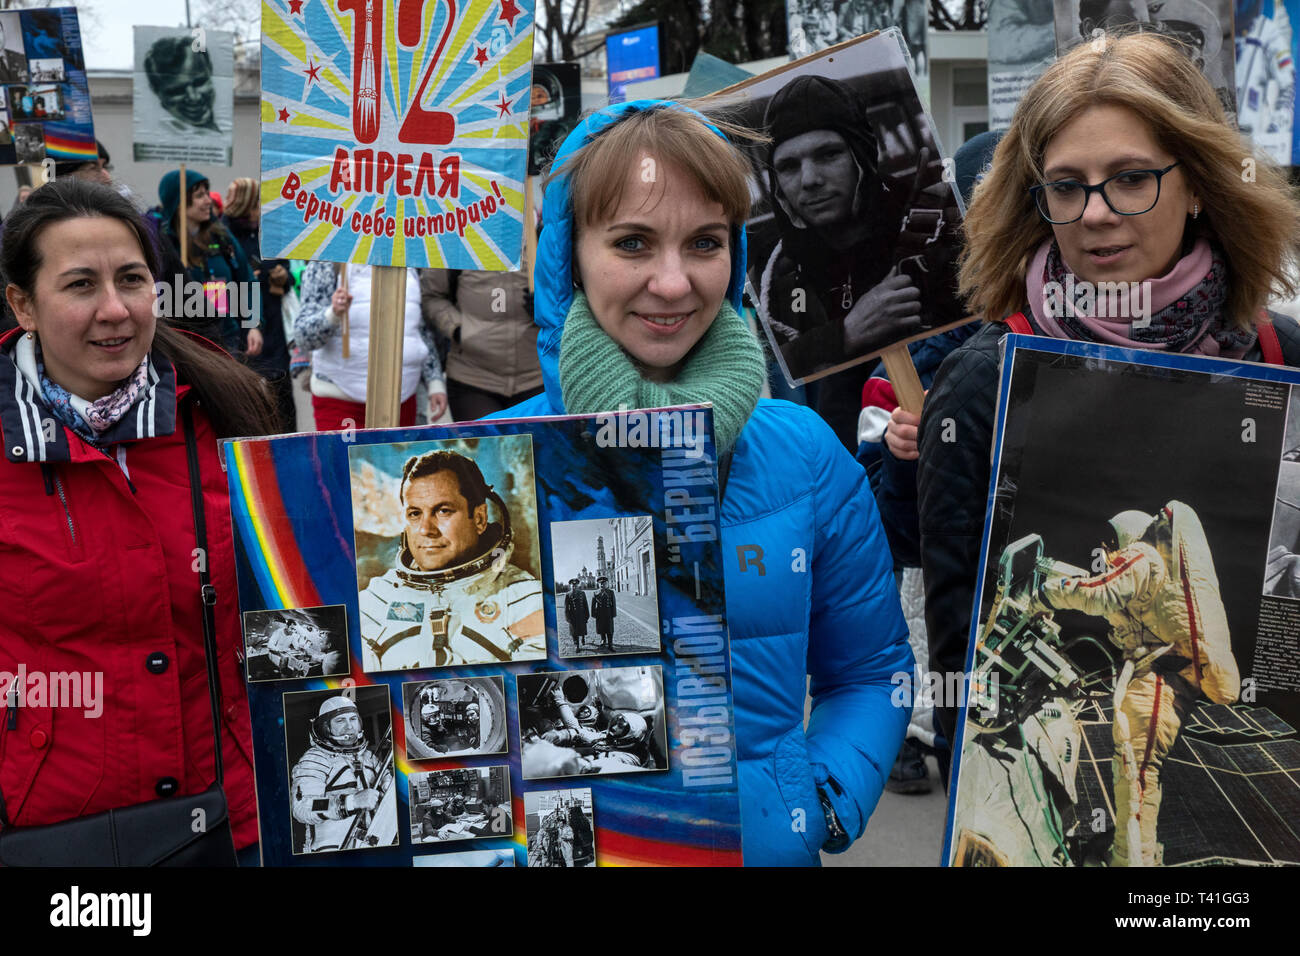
point(1130, 193)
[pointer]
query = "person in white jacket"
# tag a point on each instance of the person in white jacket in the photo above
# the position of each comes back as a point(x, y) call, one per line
point(338, 384)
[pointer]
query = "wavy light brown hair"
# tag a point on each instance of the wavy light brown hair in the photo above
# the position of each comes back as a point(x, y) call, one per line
point(1247, 206)
point(241, 196)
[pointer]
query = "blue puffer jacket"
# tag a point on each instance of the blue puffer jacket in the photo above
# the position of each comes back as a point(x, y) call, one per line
point(820, 600)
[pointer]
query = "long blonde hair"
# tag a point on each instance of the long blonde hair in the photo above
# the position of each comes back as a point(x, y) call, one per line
point(1247, 206)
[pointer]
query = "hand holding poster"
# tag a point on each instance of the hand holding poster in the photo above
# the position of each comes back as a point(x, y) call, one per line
point(395, 134)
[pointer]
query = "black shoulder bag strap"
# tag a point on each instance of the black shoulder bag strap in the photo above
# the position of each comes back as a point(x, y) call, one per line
point(207, 592)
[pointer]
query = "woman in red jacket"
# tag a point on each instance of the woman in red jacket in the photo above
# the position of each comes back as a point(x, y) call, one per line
point(103, 677)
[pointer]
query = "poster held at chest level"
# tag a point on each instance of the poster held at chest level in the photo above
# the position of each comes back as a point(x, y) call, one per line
point(459, 704)
point(395, 133)
point(1134, 699)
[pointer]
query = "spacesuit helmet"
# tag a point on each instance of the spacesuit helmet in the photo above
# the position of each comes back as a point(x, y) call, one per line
point(627, 727)
point(339, 736)
point(1127, 527)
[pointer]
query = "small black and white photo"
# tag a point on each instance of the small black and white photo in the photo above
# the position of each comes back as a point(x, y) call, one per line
point(606, 589)
point(561, 827)
point(13, 58)
point(468, 803)
point(47, 70)
point(815, 25)
point(339, 746)
point(29, 142)
point(1282, 574)
point(1203, 27)
point(609, 720)
point(294, 643)
point(854, 234)
point(454, 718)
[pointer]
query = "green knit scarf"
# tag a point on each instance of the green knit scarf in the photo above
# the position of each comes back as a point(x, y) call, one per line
point(726, 367)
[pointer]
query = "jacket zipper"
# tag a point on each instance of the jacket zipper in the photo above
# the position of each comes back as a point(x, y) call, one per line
point(58, 484)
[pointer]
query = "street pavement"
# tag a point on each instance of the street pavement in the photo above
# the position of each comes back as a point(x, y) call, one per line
point(635, 630)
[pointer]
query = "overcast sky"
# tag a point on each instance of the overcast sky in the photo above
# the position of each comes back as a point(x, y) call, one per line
point(108, 46)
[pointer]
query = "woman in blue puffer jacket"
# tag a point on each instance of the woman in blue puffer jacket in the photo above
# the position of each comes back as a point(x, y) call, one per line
point(651, 202)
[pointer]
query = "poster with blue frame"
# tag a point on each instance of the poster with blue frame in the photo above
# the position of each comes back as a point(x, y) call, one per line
point(1133, 691)
point(475, 714)
point(44, 94)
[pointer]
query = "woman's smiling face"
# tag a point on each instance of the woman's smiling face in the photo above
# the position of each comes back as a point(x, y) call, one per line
point(656, 272)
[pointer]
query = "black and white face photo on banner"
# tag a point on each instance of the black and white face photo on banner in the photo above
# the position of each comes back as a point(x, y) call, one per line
point(606, 590)
point(1203, 27)
point(465, 803)
point(454, 718)
point(183, 91)
point(610, 720)
point(561, 828)
point(854, 233)
point(814, 25)
point(339, 746)
point(296, 642)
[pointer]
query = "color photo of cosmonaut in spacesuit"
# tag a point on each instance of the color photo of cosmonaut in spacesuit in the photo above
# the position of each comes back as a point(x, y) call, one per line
point(454, 718)
point(296, 642)
point(340, 753)
point(447, 557)
point(1266, 77)
point(584, 722)
point(561, 828)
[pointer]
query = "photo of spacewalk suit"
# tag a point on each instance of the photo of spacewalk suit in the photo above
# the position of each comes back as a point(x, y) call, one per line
point(1160, 595)
point(340, 789)
point(1266, 77)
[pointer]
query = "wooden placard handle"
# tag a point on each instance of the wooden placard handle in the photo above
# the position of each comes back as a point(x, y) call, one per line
point(343, 325)
point(184, 223)
point(387, 326)
point(902, 375)
point(530, 232)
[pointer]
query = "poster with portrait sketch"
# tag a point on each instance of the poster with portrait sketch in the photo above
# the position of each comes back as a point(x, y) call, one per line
point(854, 236)
point(460, 803)
point(1203, 27)
point(440, 542)
point(339, 750)
point(1022, 44)
point(295, 643)
point(814, 25)
point(183, 96)
point(448, 560)
point(604, 721)
point(455, 718)
point(606, 596)
point(561, 828)
point(1136, 696)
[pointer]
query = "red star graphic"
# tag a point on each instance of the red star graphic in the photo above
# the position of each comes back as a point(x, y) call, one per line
point(481, 56)
point(509, 10)
point(311, 71)
point(295, 6)
point(284, 115)
point(503, 106)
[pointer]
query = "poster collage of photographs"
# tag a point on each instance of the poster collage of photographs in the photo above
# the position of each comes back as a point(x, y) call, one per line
point(44, 97)
point(446, 626)
point(1135, 652)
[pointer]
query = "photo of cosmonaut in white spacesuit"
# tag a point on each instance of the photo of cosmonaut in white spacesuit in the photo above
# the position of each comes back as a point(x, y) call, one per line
point(586, 722)
point(452, 593)
point(341, 786)
point(1265, 76)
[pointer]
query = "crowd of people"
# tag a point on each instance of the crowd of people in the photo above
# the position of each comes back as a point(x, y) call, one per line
point(641, 304)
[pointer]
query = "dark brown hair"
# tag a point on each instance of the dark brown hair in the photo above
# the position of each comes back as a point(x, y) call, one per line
point(236, 400)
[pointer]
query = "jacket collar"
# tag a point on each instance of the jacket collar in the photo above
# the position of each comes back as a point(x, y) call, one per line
point(31, 432)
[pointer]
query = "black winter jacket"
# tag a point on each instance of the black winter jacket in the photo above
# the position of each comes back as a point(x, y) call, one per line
point(953, 487)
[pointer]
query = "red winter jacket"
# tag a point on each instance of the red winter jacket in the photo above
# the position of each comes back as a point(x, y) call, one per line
point(98, 579)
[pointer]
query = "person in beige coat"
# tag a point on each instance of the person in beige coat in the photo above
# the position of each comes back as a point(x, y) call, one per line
point(488, 319)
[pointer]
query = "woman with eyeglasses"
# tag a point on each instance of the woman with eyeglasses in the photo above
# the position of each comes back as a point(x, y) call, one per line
point(1119, 167)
